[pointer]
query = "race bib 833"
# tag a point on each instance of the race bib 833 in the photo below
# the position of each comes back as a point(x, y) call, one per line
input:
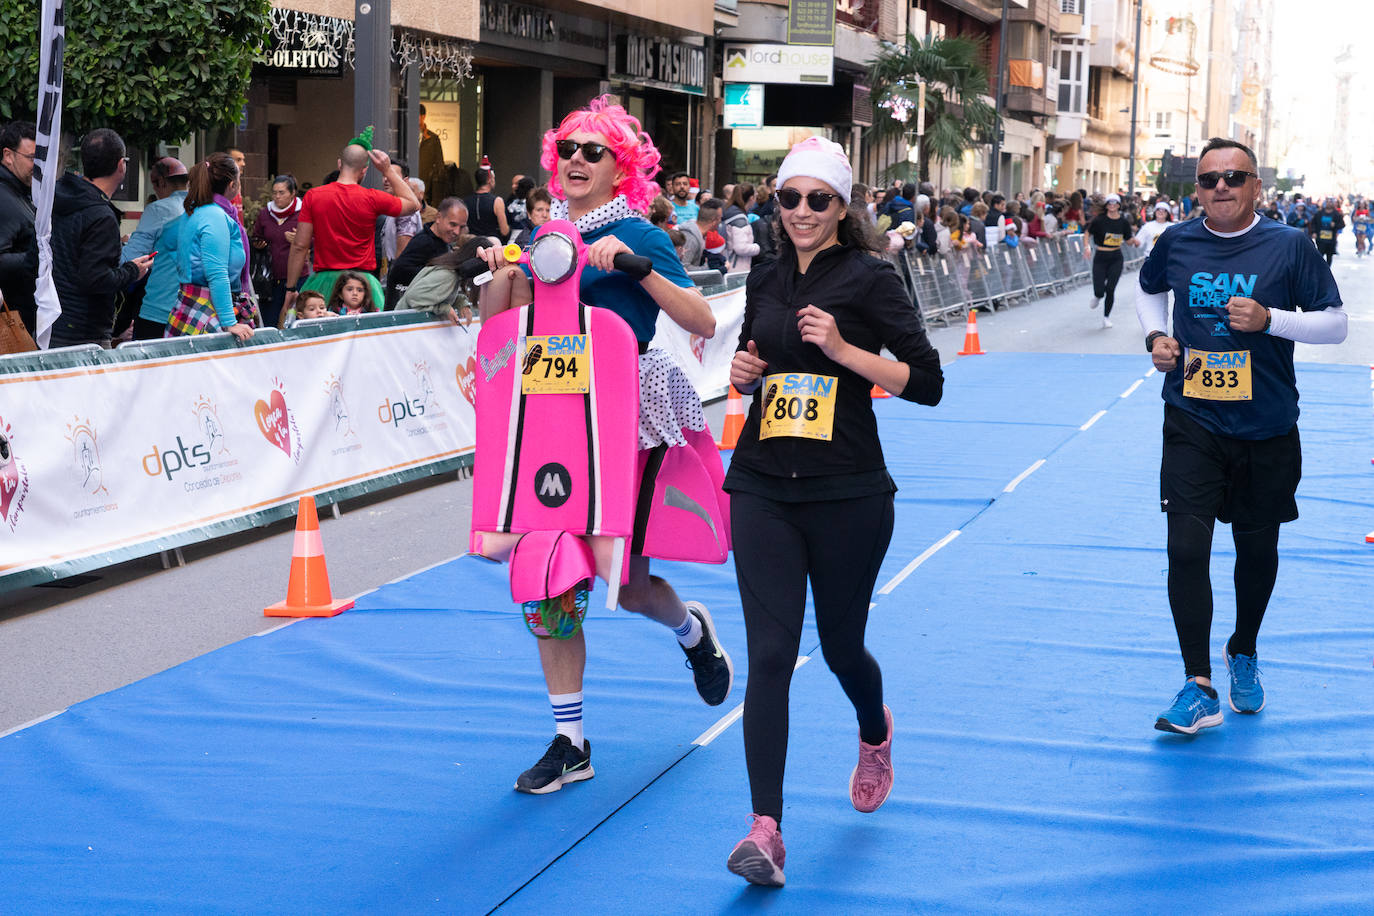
point(1217, 376)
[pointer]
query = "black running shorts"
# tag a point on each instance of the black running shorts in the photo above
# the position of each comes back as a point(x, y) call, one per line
point(1244, 481)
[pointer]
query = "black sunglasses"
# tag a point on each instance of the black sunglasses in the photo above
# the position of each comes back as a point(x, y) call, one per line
point(592, 152)
point(1234, 178)
point(818, 201)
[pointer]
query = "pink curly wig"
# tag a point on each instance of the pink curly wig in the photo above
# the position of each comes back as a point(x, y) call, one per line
point(635, 154)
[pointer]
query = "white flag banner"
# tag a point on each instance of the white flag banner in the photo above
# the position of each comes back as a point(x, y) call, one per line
point(46, 165)
point(706, 363)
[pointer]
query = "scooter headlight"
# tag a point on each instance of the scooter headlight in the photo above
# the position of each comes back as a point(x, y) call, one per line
point(553, 257)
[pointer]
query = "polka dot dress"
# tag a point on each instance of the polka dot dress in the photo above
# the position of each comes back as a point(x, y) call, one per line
point(668, 403)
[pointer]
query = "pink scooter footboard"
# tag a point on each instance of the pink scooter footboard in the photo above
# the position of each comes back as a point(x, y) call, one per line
point(687, 517)
point(557, 405)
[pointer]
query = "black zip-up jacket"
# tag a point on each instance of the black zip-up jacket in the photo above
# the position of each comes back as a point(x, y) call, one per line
point(872, 310)
point(86, 266)
point(18, 247)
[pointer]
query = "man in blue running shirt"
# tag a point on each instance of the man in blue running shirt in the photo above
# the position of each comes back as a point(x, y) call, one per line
point(1245, 288)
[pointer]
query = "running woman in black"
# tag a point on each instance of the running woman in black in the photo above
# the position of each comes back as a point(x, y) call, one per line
point(1231, 449)
point(1109, 231)
point(810, 494)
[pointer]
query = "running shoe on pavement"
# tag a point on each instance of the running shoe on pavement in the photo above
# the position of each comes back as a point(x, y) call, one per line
point(1193, 709)
point(871, 781)
point(759, 856)
point(1247, 693)
point(561, 764)
point(1095, 302)
point(1106, 322)
point(711, 667)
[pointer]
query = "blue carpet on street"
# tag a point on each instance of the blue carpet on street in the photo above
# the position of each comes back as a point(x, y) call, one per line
point(365, 763)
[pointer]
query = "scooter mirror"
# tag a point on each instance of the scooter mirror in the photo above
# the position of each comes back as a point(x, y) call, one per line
point(553, 257)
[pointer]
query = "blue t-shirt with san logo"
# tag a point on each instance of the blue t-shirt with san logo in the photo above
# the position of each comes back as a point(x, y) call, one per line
point(1238, 384)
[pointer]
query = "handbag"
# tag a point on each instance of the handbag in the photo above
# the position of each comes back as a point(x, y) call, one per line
point(14, 337)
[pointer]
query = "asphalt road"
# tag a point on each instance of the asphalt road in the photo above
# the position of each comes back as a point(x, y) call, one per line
point(59, 646)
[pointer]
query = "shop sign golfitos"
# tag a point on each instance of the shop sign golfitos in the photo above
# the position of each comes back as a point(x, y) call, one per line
point(307, 45)
point(654, 61)
point(766, 63)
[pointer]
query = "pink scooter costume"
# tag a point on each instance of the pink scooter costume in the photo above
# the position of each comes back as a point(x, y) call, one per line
point(588, 448)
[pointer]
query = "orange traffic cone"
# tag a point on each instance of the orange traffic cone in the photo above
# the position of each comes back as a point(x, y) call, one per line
point(307, 591)
point(734, 421)
point(971, 345)
point(879, 392)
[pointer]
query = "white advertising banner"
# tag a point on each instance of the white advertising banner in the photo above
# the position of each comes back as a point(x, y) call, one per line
point(706, 363)
point(102, 460)
point(762, 63)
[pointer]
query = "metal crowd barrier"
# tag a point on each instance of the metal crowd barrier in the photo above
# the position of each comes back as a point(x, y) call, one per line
point(945, 287)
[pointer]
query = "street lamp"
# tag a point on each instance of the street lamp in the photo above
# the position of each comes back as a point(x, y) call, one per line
point(1176, 56)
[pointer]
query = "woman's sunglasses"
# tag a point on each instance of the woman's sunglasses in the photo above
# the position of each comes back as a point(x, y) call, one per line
point(592, 152)
point(818, 201)
point(1234, 178)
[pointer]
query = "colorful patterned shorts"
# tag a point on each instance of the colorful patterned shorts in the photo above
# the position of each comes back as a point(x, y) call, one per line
point(194, 313)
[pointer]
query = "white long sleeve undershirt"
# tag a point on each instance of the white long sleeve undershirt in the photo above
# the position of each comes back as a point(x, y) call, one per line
point(1324, 326)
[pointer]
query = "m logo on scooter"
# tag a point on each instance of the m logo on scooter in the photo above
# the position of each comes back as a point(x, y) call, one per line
point(553, 485)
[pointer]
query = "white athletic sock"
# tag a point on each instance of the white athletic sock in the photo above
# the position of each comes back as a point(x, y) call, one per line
point(689, 632)
point(567, 715)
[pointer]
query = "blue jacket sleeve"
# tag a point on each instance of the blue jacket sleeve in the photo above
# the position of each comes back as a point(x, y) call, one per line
point(214, 258)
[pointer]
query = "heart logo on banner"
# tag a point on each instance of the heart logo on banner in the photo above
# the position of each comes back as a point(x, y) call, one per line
point(9, 485)
point(273, 421)
point(467, 380)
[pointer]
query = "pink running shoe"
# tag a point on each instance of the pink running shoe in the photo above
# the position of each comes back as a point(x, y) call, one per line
point(759, 856)
point(871, 780)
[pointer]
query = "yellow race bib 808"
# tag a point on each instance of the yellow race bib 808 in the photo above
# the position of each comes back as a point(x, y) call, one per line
point(798, 404)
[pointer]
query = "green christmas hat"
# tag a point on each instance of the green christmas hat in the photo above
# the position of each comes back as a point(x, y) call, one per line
point(363, 139)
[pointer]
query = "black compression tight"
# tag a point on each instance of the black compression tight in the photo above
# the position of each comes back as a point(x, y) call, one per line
point(1106, 274)
point(839, 545)
point(1190, 585)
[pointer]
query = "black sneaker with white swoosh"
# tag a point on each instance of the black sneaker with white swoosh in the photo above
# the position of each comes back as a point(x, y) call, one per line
point(711, 667)
point(561, 764)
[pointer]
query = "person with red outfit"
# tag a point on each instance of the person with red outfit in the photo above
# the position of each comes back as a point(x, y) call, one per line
point(340, 218)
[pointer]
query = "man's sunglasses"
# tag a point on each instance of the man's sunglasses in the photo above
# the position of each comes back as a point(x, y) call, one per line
point(592, 152)
point(818, 201)
point(1234, 178)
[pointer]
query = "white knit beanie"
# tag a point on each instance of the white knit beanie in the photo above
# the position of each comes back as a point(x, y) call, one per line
point(822, 159)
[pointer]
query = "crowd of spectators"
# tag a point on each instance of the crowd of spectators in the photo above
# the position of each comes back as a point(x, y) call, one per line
point(365, 250)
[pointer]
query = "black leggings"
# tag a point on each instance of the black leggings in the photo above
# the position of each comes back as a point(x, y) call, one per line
point(1190, 586)
point(839, 544)
point(1106, 273)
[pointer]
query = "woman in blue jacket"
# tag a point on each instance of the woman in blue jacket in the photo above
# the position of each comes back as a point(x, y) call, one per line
point(210, 255)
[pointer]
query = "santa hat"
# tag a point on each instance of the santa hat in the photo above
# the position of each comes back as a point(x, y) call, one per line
point(715, 242)
point(822, 159)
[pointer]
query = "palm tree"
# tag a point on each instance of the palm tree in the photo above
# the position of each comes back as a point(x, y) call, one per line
point(956, 83)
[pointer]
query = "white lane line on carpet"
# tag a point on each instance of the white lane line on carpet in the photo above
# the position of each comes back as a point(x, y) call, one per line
point(1095, 417)
point(912, 566)
point(1015, 481)
point(20, 728)
point(731, 717)
point(1131, 390)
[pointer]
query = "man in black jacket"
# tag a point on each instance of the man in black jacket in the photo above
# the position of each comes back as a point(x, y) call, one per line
point(18, 244)
point(85, 244)
point(434, 240)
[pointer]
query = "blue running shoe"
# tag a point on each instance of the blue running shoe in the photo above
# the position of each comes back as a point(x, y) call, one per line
point(1193, 709)
point(1247, 693)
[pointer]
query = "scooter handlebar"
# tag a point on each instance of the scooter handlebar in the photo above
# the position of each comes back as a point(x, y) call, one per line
point(633, 265)
point(636, 266)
